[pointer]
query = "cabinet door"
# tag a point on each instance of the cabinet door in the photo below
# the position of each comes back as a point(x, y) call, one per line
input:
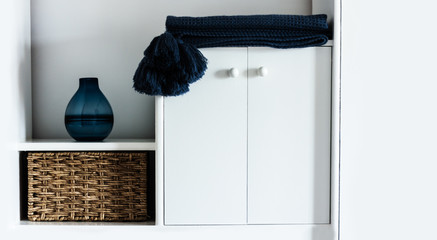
point(205, 143)
point(289, 136)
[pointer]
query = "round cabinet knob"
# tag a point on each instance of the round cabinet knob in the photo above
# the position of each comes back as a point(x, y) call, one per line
point(233, 72)
point(263, 71)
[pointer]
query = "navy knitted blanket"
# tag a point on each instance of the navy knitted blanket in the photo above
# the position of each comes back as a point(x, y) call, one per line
point(172, 61)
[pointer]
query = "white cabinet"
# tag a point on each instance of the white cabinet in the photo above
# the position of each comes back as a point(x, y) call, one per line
point(251, 149)
point(289, 136)
point(205, 146)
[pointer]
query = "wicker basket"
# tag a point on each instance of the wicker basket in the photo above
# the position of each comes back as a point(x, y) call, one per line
point(87, 186)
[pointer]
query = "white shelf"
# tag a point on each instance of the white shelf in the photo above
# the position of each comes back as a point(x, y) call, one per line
point(72, 145)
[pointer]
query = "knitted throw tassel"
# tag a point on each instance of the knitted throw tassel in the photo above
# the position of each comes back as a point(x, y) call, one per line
point(168, 67)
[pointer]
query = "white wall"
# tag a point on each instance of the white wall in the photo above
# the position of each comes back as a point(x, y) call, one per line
point(106, 38)
point(389, 120)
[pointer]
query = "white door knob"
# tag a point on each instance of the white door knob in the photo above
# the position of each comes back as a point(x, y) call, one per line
point(233, 72)
point(263, 71)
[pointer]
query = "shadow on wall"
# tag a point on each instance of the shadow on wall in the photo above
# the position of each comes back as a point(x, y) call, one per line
point(322, 233)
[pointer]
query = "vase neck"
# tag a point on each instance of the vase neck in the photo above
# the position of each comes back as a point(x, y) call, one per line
point(88, 83)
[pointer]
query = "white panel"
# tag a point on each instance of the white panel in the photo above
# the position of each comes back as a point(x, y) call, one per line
point(14, 73)
point(289, 136)
point(205, 145)
point(389, 121)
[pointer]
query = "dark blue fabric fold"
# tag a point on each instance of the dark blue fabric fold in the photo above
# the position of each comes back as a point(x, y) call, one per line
point(247, 22)
point(172, 61)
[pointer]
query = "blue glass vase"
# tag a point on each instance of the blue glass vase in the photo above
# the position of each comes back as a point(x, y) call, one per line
point(89, 116)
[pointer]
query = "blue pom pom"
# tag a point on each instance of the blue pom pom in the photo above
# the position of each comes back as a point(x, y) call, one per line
point(192, 64)
point(148, 81)
point(168, 67)
point(162, 52)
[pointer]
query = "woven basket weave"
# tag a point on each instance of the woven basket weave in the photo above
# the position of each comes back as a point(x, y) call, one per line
point(87, 186)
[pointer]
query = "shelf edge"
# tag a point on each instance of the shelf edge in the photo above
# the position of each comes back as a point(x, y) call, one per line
point(70, 145)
